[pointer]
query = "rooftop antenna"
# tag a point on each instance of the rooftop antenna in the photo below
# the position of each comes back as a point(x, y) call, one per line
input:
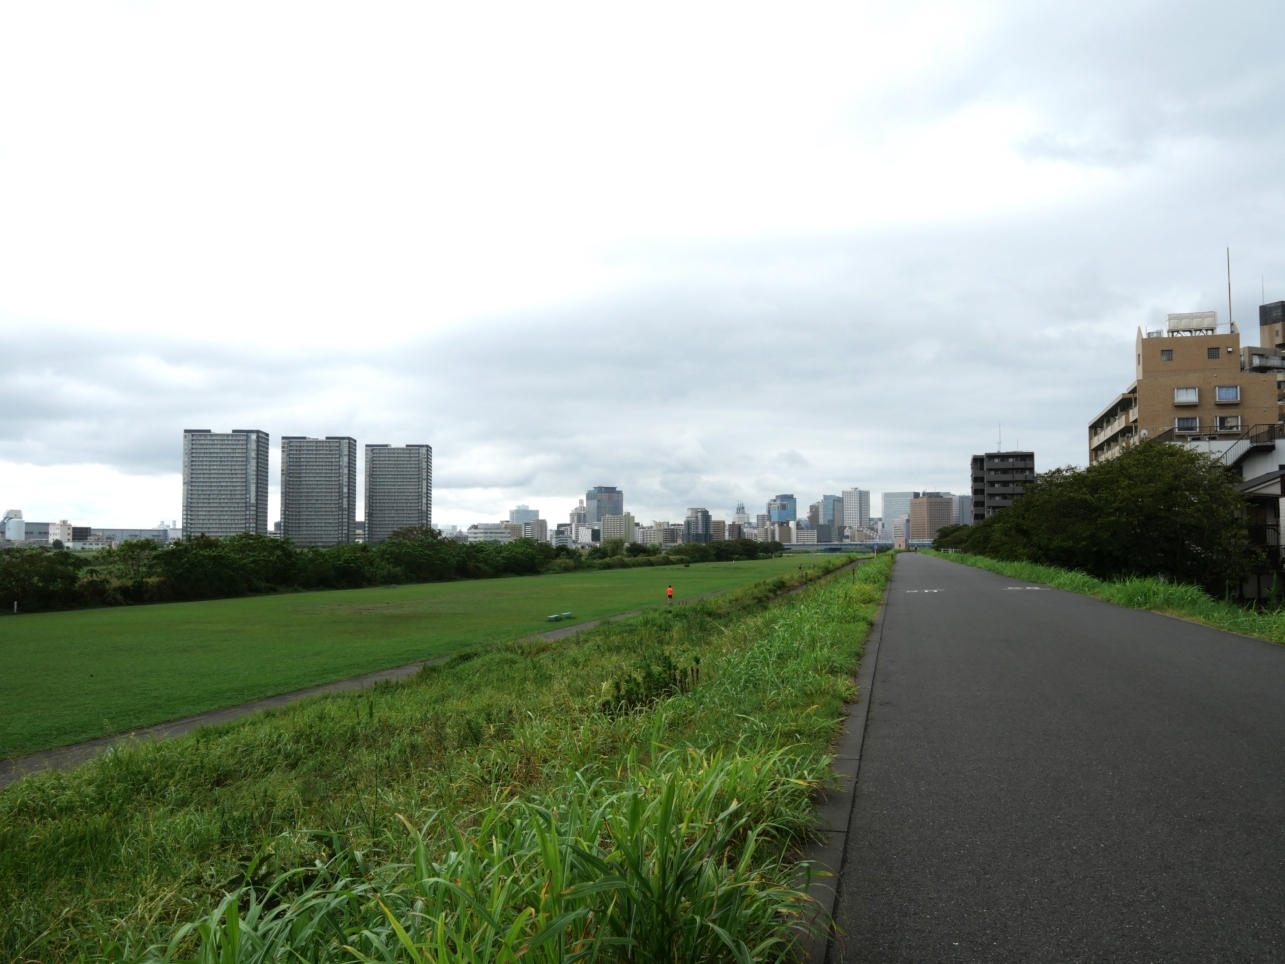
point(1230, 319)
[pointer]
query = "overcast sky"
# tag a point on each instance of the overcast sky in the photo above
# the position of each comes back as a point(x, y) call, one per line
point(704, 253)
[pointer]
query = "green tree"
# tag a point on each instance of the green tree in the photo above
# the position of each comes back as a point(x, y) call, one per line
point(1157, 509)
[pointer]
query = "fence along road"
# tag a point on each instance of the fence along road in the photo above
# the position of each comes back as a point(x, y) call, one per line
point(1046, 777)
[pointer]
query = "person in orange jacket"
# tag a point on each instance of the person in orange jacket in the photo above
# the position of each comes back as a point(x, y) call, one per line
point(670, 593)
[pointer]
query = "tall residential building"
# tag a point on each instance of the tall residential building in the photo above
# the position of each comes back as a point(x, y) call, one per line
point(523, 513)
point(696, 527)
point(225, 482)
point(998, 478)
point(616, 527)
point(1192, 380)
point(399, 489)
point(319, 490)
point(603, 500)
point(856, 507)
point(783, 508)
point(537, 529)
point(929, 514)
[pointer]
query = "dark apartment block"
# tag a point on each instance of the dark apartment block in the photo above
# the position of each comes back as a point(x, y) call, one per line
point(998, 478)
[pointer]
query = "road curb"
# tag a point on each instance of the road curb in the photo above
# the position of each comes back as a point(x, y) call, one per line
point(826, 856)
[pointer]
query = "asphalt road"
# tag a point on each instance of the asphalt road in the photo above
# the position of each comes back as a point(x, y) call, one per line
point(1046, 777)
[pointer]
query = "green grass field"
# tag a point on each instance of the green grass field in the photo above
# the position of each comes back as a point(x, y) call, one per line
point(71, 676)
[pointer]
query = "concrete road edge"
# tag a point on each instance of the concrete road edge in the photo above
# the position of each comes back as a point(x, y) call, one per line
point(826, 855)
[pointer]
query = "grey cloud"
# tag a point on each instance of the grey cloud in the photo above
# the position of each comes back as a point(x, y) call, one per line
point(882, 358)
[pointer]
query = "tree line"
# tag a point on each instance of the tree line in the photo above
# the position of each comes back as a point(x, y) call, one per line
point(1156, 510)
point(47, 578)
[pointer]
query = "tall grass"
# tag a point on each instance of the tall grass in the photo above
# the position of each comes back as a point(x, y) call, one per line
point(489, 809)
point(1176, 599)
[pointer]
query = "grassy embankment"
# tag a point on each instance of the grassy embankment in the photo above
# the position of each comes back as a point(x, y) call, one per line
point(1175, 599)
point(70, 676)
point(631, 792)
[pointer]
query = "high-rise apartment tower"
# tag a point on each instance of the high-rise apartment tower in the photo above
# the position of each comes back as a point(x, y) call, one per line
point(999, 478)
point(856, 508)
point(225, 482)
point(319, 490)
point(399, 489)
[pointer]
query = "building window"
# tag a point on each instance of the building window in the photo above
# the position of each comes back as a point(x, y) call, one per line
point(1227, 393)
point(1211, 352)
point(1186, 396)
point(1229, 423)
point(1166, 354)
point(1187, 424)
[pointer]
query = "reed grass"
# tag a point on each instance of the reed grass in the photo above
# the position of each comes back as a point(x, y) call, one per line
point(1175, 599)
point(489, 809)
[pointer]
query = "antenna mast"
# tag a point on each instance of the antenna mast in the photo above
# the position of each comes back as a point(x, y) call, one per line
point(1230, 319)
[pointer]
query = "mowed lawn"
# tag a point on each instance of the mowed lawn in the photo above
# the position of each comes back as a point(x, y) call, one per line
point(71, 676)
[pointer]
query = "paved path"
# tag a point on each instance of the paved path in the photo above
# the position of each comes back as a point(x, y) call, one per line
point(1046, 777)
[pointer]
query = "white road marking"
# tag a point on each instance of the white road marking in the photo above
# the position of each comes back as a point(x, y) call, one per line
point(923, 590)
point(1036, 588)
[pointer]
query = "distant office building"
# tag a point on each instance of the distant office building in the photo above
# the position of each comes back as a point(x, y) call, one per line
point(490, 532)
point(741, 517)
point(829, 505)
point(603, 500)
point(762, 520)
point(814, 513)
point(523, 514)
point(514, 530)
point(856, 508)
point(580, 514)
point(225, 482)
point(537, 529)
point(799, 533)
point(929, 514)
point(963, 510)
point(562, 535)
point(736, 530)
point(696, 527)
point(319, 490)
point(112, 537)
point(359, 531)
point(717, 530)
point(617, 527)
point(652, 535)
point(876, 524)
point(399, 489)
point(999, 478)
point(782, 508)
point(584, 534)
point(895, 505)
